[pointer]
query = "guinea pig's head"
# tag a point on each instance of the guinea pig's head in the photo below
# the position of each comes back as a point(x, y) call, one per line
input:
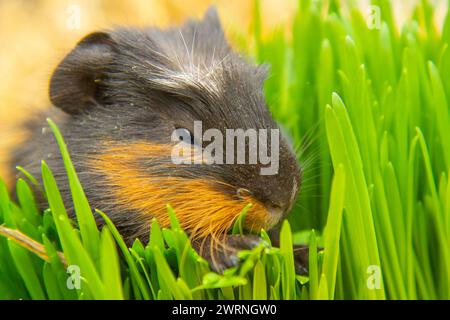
point(135, 96)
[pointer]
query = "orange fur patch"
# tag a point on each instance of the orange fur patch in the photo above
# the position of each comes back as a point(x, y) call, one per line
point(201, 207)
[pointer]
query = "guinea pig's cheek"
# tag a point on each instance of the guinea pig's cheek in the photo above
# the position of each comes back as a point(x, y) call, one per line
point(202, 206)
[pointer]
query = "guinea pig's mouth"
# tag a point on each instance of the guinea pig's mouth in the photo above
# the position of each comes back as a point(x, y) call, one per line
point(203, 206)
point(276, 214)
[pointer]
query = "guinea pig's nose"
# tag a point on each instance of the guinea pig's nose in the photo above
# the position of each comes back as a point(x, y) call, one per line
point(276, 209)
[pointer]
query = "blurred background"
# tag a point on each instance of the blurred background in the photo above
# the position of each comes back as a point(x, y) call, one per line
point(36, 34)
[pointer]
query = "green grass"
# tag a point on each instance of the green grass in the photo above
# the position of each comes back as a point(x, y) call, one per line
point(369, 108)
point(165, 268)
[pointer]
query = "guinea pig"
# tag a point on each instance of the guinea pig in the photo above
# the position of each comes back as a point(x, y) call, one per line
point(118, 97)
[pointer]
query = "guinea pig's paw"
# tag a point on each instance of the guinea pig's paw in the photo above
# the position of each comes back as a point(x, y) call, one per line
point(235, 243)
point(301, 259)
point(224, 255)
point(243, 242)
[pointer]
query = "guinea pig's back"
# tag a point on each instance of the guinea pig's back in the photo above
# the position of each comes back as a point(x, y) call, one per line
point(25, 144)
point(12, 134)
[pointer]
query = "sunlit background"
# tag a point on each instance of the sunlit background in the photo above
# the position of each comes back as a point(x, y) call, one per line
point(35, 35)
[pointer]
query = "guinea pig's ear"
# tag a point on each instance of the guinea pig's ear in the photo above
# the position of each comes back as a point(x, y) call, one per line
point(75, 82)
point(211, 21)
